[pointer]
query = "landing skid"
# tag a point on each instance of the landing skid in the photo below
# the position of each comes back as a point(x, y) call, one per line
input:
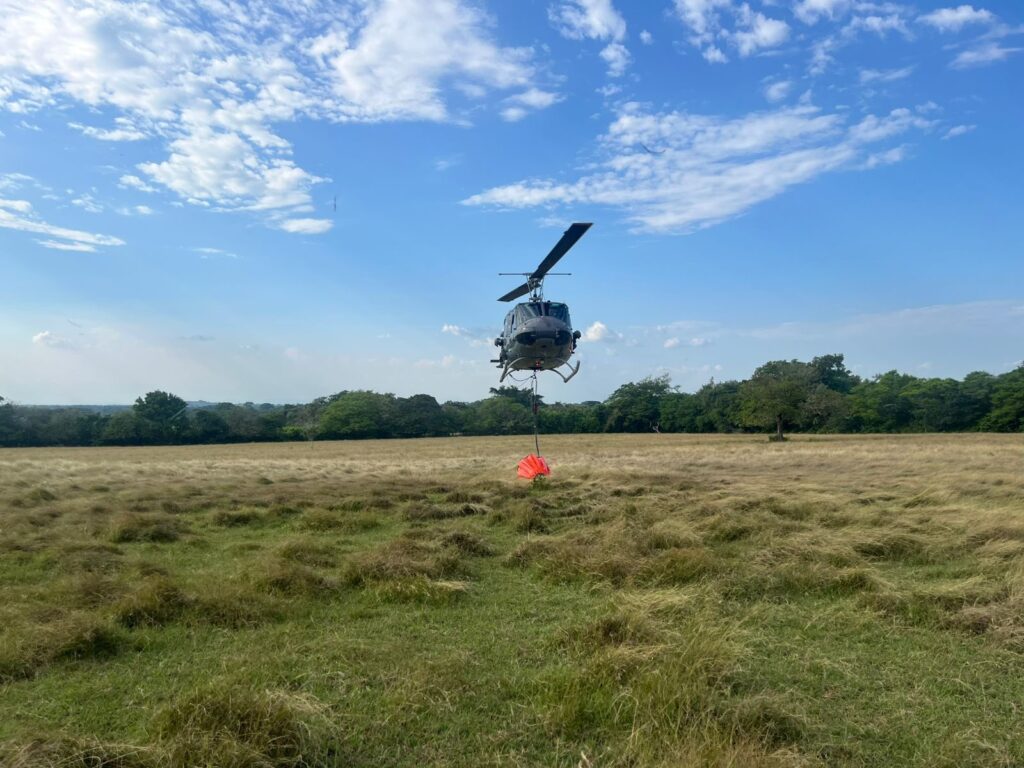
point(573, 370)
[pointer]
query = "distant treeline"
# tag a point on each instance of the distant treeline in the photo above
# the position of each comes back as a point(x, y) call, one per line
point(783, 395)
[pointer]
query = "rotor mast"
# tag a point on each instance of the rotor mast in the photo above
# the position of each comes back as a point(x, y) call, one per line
point(534, 284)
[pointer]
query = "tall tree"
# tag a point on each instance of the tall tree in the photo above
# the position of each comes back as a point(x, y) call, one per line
point(636, 407)
point(774, 395)
point(360, 414)
point(1007, 413)
point(831, 371)
point(8, 427)
point(164, 412)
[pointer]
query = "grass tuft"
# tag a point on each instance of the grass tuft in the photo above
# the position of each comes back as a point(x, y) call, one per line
point(235, 726)
point(155, 602)
point(135, 527)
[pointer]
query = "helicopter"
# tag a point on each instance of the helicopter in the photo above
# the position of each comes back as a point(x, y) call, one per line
point(538, 334)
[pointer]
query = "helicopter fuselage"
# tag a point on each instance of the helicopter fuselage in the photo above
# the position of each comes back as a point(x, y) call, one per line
point(537, 336)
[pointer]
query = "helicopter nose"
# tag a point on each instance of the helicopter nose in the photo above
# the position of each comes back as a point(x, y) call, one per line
point(544, 332)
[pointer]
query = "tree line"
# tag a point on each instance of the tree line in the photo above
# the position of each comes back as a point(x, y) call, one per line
point(822, 395)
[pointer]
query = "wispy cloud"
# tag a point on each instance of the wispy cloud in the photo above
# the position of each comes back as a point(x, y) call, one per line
point(214, 93)
point(955, 19)
point(206, 252)
point(306, 226)
point(742, 28)
point(982, 55)
point(20, 215)
point(710, 169)
point(885, 75)
point(959, 130)
point(124, 132)
point(51, 340)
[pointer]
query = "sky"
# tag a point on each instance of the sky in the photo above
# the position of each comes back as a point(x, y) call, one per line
point(274, 201)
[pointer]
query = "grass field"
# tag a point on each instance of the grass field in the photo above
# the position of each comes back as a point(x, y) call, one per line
point(660, 601)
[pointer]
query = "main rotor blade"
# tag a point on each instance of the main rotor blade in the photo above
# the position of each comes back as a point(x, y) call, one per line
point(572, 234)
point(515, 293)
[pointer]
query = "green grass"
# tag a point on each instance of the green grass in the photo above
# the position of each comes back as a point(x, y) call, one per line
point(661, 600)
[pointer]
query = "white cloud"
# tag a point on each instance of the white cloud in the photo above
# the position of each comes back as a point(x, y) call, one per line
point(698, 341)
point(758, 32)
point(594, 19)
point(390, 63)
point(879, 25)
point(306, 226)
point(513, 114)
point(778, 91)
point(617, 57)
point(811, 11)
point(444, 163)
point(533, 98)
point(59, 246)
point(87, 203)
point(598, 331)
point(51, 340)
point(134, 182)
point(475, 338)
point(888, 157)
point(21, 206)
point(136, 210)
point(709, 20)
point(646, 37)
point(671, 343)
point(958, 130)
point(884, 75)
point(211, 83)
point(987, 53)
point(709, 169)
point(212, 253)
point(955, 19)
point(122, 133)
point(19, 215)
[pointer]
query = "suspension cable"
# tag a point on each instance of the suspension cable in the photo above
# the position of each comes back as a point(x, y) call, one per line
point(536, 417)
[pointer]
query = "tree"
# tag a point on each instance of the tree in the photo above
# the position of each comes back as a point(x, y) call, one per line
point(207, 426)
point(499, 416)
point(831, 371)
point(1007, 414)
point(636, 407)
point(163, 411)
point(774, 395)
point(824, 410)
point(127, 428)
point(418, 416)
point(876, 405)
point(521, 396)
point(718, 406)
point(359, 415)
point(679, 412)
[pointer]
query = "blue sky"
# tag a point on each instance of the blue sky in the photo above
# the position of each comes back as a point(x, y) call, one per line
point(275, 201)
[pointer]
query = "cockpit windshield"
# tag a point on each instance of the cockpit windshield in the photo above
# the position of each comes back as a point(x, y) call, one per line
point(553, 309)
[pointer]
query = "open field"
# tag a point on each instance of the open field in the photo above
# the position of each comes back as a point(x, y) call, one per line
point(661, 600)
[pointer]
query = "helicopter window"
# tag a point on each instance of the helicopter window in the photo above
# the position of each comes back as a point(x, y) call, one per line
point(558, 311)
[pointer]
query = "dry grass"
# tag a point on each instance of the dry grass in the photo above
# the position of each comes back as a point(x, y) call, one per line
point(661, 600)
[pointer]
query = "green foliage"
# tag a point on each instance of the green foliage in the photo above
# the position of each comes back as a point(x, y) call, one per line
point(499, 416)
point(163, 414)
point(821, 396)
point(1007, 413)
point(775, 395)
point(357, 415)
point(636, 407)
